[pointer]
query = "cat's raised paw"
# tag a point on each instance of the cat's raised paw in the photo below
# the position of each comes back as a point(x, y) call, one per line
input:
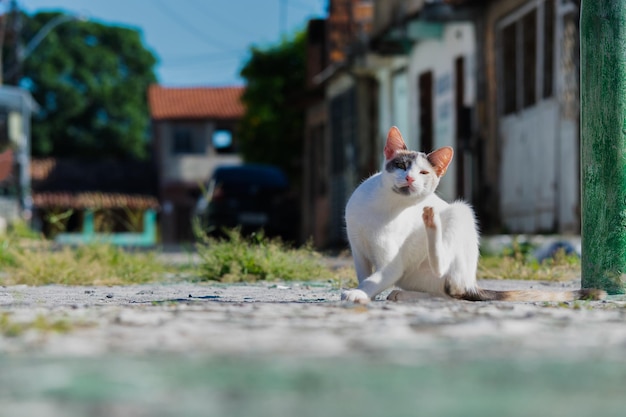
point(429, 217)
point(355, 296)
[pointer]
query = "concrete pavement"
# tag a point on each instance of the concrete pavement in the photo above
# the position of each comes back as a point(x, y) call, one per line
point(294, 348)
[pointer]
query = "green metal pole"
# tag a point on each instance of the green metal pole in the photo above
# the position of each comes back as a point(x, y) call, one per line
point(603, 143)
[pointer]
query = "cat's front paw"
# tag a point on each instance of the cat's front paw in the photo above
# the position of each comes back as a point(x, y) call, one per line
point(429, 217)
point(355, 296)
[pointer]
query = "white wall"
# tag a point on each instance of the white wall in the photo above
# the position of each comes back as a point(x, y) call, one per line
point(438, 56)
point(191, 168)
point(393, 110)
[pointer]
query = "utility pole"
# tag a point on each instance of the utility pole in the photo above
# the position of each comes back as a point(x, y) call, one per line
point(3, 27)
point(16, 29)
point(603, 143)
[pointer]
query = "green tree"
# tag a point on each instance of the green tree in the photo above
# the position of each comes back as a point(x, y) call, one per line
point(271, 130)
point(90, 80)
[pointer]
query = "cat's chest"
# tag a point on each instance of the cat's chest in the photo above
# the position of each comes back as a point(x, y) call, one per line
point(386, 227)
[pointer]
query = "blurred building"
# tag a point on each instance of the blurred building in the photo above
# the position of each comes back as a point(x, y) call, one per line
point(495, 79)
point(340, 120)
point(528, 76)
point(193, 131)
point(16, 107)
point(85, 200)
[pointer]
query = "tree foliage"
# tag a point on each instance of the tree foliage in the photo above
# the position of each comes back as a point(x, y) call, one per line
point(90, 80)
point(271, 129)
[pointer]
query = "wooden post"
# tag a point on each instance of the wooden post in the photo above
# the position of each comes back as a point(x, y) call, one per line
point(603, 143)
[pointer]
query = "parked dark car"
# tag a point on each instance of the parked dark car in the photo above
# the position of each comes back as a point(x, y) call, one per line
point(251, 197)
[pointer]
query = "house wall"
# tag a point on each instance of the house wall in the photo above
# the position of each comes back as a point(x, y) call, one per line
point(187, 167)
point(531, 155)
point(342, 101)
point(315, 222)
point(438, 57)
point(527, 162)
point(352, 126)
point(181, 175)
point(388, 12)
point(490, 161)
point(568, 76)
point(393, 102)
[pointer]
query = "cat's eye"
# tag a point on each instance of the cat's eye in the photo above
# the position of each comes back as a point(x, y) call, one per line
point(400, 165)
point(424, 172)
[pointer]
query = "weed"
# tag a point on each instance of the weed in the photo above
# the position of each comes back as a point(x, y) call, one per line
point(35, 261)
point(9, 328)
point(238, 258)
point(517, 262)
point(95, 264)
point(570, 305)
point(41, 323)
point(26, 258)
point(20, 229)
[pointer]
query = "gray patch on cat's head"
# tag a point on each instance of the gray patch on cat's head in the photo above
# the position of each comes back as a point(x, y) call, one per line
point(402, 159)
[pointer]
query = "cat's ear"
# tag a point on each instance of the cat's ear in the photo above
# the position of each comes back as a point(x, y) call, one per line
point(440, 159)
point(394, 143)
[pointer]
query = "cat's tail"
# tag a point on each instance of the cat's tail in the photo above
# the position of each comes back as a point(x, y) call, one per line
point(481, 294)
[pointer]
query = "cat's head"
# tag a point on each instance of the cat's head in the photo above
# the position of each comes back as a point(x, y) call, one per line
point(411, 173)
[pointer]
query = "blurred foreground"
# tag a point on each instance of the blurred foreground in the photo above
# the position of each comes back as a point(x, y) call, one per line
point(281, 349)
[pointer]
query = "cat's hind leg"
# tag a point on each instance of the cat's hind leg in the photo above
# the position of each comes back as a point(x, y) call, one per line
point(403, 296)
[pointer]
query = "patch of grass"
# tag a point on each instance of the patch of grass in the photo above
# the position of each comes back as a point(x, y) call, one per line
point(36, 262)
point(20, 229)
point(517, 262)
point(239, 258)
point(27, 258)
point(41, 323)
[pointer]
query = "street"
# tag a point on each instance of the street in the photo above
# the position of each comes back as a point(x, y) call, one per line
point(284, 348)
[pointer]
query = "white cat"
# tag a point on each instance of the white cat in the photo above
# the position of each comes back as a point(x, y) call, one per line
point(401, 233)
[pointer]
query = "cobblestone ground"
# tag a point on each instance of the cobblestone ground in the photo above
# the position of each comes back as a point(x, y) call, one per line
point(277, 349)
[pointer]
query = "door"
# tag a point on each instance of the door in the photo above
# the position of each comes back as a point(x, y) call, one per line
point(425, 94)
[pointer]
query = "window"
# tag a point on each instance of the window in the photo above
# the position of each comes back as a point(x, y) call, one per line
point(526, 56)
point(425, 85)
point(182, 141)
point(343, 131)
point(529, 58)
point(186, 141)
point(509, 68)
point(548, 48)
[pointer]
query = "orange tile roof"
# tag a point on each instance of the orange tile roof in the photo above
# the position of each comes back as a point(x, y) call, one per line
point(93, 200)
point(195, 102)
point(76, 184)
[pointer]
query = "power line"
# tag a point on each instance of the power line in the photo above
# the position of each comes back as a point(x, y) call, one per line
point(184, 23)
point(200, 62)
point(225, 23)
point(196, 57)
point(227, 77)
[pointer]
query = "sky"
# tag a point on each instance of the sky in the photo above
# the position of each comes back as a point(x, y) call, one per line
point(197, 42)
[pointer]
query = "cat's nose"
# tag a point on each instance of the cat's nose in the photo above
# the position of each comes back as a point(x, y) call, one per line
point(409, 179)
